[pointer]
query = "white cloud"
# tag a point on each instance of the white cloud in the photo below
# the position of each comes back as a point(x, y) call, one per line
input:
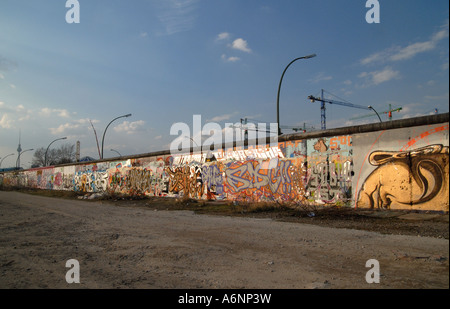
point(378, 77)
point(320, 77)
point(51, 111)
point(223, 36)
point(398, 53)
point(230, 59)
point(379, 56)
point(413, 49)
point(385, 75)
point(2, 76)
point(222, 117)
point(70, 127)
point(241, 44)
point(238, 44)
point(62, 128)
point(6, 122)
point(129, 127)
point(18, 111)
point(178, 15)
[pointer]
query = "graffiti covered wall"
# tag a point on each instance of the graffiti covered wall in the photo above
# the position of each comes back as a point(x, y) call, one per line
point(402, 168)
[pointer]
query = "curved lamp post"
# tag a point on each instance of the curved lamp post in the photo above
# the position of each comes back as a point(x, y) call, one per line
point(103, 139)
point(370, 107)
point(279, 88)
point(192, 140)
point(185, 136)
point(5, 158)
point(45, 159)
point(117, 152)
point(18, 157)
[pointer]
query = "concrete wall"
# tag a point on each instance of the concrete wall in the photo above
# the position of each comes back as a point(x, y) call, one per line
point(399, 164)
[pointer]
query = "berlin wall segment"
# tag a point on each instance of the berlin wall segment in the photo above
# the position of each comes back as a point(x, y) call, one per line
point(389, 167)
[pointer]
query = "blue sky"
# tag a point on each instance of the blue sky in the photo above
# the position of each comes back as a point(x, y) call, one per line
point(164, 61)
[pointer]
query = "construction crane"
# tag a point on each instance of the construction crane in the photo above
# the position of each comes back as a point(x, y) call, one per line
point(388, 113)
point(322, 108)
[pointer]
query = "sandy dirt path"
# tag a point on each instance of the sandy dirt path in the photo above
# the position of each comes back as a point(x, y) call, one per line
point(129, 247)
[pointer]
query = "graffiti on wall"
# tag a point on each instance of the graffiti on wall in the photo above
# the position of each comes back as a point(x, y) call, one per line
point(142, 178)
point(330, 170)
point(212, 177)
point(408, 170)
point(407, 179)
point(292, 149)
point(275, 179)
point(330, 182)
point(90, 181)
point(186, 181)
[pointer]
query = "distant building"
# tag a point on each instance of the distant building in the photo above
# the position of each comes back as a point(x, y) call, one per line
point(86, 159)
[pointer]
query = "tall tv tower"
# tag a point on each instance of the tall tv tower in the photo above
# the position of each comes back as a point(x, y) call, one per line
point(19, 150)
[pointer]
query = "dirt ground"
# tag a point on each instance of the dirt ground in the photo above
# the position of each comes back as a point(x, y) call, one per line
point(163, 243)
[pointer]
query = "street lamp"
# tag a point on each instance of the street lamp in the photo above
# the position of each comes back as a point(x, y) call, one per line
point(192, 140)
point(45, 159)
point(279, 88)
point(117, 152)
point(185, 136)
point(103, 139)
point(5, 158)
point(370, 107)
point(18, 157)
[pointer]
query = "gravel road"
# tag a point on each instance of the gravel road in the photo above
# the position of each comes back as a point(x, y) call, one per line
point(132, 247)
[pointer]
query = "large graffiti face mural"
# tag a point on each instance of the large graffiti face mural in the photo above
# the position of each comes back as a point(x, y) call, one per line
point(410, 179)
point(378, 170)
point(403, 169)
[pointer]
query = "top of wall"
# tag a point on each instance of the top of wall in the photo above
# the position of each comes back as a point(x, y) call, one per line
point(380, 126)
